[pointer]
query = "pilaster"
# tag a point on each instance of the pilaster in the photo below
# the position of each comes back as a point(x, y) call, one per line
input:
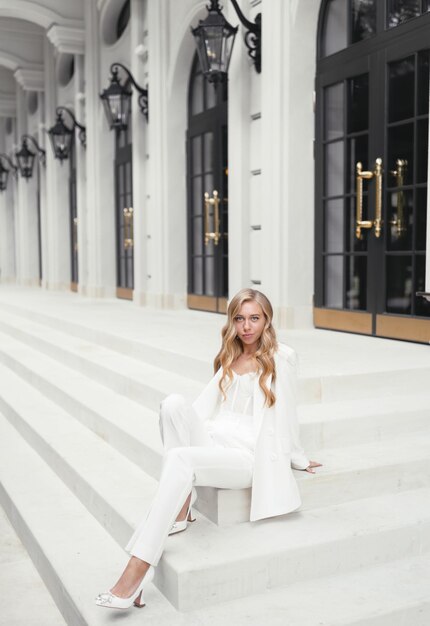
point(243, 250)
point(100, 185)
point(7, 226)
point(287, 134)
point(138, 66)
point(81, 179)
point(27, 226)
point(57, 186)
point(158, 251)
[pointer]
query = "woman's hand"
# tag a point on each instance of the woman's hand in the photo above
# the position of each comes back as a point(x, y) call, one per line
point(311, 465)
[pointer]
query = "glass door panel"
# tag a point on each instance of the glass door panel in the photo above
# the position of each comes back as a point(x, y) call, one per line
point(124, 223)
point(73, 219)
point(405, 184)
point(346, 129)
point(207, 195)
point(371, 159)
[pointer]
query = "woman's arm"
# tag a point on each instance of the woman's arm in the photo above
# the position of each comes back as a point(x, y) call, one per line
point(290, 361)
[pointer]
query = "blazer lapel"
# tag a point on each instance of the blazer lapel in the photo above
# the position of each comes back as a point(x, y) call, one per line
point(259, 402)
point(206, 402)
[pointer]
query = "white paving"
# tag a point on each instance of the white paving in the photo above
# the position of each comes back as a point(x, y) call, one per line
point(80, 385)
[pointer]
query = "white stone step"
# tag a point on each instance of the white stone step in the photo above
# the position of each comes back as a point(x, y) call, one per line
point(24, 597)
point(118, 494)
point(73, 553)
point(128, 426)
point(240, 560)
point(77, 559)
point(392, 594)
point(350, 422)
point(83, 322)
point(134, 432)
point(323, 424)
point(371, 377)
point(135, 379)
point(113, 488)
point(381, 465)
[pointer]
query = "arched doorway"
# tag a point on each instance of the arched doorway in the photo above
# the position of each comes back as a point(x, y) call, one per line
point(372, 109)
point(207, 174)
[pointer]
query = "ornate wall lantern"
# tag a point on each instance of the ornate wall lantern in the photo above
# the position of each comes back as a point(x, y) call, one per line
point(61, 136)
point(215, 38)
point(116, 98)
point(4, 171)
point(25, 157)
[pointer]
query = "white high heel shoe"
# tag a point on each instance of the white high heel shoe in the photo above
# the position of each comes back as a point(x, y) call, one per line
point(178, 527)
point(111, 601)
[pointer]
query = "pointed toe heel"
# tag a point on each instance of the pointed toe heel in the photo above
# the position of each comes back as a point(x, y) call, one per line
point(110, 601)
point(178, 527)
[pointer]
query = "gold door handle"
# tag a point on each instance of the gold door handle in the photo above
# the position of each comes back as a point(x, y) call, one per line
point(75, 234)
point(378, 198)
point(400, 173)
point(360, 223)
point(214, 201)
point(128, 228)
point(368, 175)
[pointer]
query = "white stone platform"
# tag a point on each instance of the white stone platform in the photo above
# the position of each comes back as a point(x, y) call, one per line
point(80, 385)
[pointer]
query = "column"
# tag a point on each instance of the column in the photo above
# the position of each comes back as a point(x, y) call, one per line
point(7, 227)
point(57, 192)
point(288, 166)
point(100, 185)
point(26, 213)
point(138, 55)
point(81, 179)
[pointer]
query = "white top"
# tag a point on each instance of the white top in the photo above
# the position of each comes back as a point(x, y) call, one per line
point(233, 426)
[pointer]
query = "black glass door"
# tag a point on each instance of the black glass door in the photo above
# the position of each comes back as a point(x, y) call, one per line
point(124, 214)
point(371, 187)
point(207, 194)
point(73, 219)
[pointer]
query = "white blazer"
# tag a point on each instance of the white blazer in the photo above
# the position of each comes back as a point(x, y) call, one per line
point(277, 450)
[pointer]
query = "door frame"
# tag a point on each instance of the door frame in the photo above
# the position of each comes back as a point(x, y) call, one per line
point(210, 120)
point(371, 56)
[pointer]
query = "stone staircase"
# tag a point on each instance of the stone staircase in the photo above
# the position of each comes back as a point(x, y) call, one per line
point(80, 455)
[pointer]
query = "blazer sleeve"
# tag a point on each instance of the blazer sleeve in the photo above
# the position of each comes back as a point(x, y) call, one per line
point(299, 460)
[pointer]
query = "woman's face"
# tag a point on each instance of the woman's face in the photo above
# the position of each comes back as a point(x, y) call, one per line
point(249, 323)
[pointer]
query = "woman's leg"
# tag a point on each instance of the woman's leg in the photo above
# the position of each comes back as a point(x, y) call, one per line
point(180, 426)
point(229, 468)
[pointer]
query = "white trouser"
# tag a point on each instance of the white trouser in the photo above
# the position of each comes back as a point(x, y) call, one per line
point(190, 458)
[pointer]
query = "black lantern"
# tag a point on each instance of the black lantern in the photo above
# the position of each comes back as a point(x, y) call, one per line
point(116, 98)
point(215, 38)
point(25, 157)
point(61, 136)
point(4, 172)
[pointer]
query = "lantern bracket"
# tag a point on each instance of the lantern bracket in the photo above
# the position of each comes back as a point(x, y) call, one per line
point(252, 35)
point(41, 151)
point(12, 165)
point(82, 129)
point(143, 93)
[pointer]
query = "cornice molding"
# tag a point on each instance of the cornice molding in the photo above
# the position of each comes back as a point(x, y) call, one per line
point(30, 79)
point(67, 40)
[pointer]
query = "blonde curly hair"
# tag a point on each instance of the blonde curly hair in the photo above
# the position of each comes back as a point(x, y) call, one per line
point(232, 347)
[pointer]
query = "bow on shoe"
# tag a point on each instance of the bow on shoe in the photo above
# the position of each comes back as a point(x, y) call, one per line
point(104, 598)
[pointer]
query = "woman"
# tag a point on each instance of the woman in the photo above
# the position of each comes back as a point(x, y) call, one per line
point(222, 440)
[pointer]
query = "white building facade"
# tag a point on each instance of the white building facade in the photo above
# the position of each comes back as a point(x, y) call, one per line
point(333, 246)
